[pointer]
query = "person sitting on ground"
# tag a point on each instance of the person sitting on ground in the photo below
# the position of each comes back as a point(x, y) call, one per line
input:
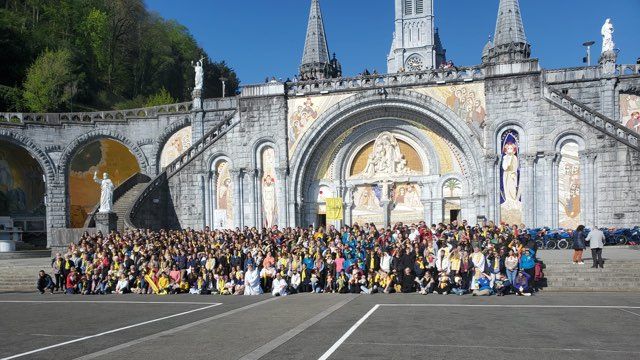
point(426, 284)
point(502, 285)
point(458, 286)
point(45, 282)
point(252, 281)
point(122, 287)
point(279, 286)
point(483, 285)
point(444, 285)
point(522, 284)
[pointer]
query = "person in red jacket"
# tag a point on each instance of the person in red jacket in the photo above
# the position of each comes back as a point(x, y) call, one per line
point(72, 281)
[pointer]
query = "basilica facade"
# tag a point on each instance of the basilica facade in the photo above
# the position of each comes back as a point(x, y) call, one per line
point(505, 141)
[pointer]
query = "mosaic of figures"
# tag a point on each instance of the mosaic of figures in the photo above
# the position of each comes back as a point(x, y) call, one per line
point(408, 207)
point(467, 101)
point(269, 194)
point(569, 186)
point(304, 111)
point(367, 205)
point(104, 155)
point(510, 191)
point(21, 184)
point(630, 111)
point(175, 146)
point(223, 215)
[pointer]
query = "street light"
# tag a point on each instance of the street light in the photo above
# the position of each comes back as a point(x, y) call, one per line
point(588, 45)
point(223, 79)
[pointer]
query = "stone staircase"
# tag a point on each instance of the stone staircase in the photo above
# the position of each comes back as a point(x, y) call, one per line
point(125, 202)
point(619, 275)
point(597, 120)
point(124, 196)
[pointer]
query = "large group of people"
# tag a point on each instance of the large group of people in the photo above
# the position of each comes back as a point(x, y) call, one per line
point(457, 258)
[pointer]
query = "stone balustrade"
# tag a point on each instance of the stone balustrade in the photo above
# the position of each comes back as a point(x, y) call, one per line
point(572, 75)
point(92, 117)
point(593, 118)
point(439, 76)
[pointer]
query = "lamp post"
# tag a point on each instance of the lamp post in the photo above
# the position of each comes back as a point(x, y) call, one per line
point(588, 46)
point(224, 85)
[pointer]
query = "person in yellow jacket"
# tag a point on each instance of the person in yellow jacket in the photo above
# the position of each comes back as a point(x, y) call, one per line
point(163, 284)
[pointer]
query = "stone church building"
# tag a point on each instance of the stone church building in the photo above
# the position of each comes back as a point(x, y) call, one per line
point(504, 140)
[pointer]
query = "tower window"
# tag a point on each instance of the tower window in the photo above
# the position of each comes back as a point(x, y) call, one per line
point(408, 7)
point(419, 6)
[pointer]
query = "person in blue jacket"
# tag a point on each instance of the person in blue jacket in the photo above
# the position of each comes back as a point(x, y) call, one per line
point(528, 263)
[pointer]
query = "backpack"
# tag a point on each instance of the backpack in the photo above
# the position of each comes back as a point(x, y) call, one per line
point(538, 274)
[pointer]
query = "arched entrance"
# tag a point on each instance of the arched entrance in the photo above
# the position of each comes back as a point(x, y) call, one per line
point(22, 193)
point(386, 154)
point(98, 155)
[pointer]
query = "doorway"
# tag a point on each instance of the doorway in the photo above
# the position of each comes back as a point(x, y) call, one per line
point(322, 221)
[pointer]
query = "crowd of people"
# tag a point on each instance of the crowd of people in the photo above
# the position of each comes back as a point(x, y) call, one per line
point(457, 258)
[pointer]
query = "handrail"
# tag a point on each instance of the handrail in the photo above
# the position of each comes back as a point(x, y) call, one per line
point(592, 117)
point(118, 192)
point(180, 162)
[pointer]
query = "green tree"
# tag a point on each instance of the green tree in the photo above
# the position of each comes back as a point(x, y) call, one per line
point(50, 83)
point(96, 27)
point(162, 97)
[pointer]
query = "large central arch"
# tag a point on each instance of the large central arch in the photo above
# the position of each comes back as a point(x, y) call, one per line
point(369, 109)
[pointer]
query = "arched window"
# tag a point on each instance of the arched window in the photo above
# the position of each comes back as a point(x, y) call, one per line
point(510, 189)
point(569, 185)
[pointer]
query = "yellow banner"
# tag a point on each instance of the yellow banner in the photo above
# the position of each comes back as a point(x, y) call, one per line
point(334, 208)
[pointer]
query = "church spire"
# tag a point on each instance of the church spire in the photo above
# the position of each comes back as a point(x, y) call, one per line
point(510, 42)
point(316, 63)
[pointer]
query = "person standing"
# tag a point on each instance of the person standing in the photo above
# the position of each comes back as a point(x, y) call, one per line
point(596, 243)
point(578, 245)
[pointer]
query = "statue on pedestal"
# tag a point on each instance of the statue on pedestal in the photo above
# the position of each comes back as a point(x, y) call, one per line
point(106, 194)
point(199, 74)
point(607, 37)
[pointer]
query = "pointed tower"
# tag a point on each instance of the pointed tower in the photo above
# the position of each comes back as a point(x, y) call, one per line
point(316, 63)
point(510, 42)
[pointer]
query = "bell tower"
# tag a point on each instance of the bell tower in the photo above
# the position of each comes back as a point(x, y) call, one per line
point(414, 45)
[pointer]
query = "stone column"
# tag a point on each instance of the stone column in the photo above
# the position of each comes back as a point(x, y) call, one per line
point(589, 189)
point(529, 189)
point(236, 177)
point(492, 162)
point(281, 186)
point(197, 116)
point(259, 213)
point(251, 198)
point(348, 205)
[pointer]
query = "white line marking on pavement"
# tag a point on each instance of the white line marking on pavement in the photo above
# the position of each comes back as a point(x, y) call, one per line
point(516, 306)
point(171, 331)
point(273, 344)
point(104, 301)
point(344, 337)
point(107, 332)
point(630, 312)
point(495, 347)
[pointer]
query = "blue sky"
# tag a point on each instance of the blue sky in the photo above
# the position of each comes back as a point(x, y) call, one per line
point(261, 38)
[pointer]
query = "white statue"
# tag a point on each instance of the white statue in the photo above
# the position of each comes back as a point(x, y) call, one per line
point(269, 201)
point(199, 74)
point(607, 36)
point(106, 195)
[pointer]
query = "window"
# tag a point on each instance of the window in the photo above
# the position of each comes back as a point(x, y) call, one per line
point(408, 7)
point(419, 6)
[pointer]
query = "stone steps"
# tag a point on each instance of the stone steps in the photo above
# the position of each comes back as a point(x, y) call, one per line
point(124, 203)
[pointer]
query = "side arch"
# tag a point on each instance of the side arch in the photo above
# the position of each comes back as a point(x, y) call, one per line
point(161, 140)
point(34, 150)
point(71, 149)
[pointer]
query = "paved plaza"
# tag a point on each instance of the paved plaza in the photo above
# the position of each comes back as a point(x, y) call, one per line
point(546, 326)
